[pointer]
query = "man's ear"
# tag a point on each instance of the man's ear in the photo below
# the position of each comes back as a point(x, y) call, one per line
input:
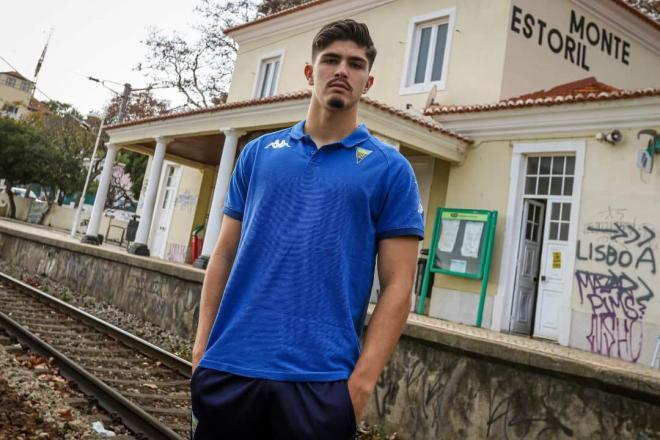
point(309, 74)
point(367, 86)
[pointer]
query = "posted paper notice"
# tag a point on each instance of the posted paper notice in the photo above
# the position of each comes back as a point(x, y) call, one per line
point(448, 235)
point(472, 239)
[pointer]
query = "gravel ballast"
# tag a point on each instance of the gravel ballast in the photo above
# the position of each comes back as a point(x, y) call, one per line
point(103, 310)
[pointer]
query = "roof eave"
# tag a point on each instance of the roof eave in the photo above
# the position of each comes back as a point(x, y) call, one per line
point(308, 16)
point(578, 119)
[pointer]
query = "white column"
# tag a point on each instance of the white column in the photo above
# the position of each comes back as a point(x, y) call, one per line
point(91, 236)
point(219, 193)
point(139, 246)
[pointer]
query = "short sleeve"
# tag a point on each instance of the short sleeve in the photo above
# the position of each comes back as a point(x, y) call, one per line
point(238, 186)
point(402, 212)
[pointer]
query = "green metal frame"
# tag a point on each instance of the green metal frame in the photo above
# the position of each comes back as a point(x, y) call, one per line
point(484, 270)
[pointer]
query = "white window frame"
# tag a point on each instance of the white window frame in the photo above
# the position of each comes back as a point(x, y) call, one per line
point(409, 64)
point(10, 81)
point(260, 72)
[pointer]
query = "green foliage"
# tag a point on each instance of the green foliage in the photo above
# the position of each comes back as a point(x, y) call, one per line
point(28, 156)
point(135, 166)
point(23, 153)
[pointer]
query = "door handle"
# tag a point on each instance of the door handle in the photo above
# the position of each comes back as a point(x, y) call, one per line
point(542, 277)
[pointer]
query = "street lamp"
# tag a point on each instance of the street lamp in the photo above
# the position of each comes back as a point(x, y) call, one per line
point(76, 219)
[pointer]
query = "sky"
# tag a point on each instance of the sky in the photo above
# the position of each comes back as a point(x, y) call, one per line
point(90, 38)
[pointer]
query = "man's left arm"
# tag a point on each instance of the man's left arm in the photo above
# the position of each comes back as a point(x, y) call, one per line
point(397, 260)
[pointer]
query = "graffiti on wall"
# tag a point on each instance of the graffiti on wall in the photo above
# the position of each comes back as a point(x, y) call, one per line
point(186, 201)
point(176, 252)
point(620, 293)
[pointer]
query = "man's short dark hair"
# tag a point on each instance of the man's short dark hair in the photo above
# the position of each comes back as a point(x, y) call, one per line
point(345, 30)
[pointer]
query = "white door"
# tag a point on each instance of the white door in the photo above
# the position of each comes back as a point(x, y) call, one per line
point(551, 178)
point(555, 278)
point(527, 269)
point(164, 210)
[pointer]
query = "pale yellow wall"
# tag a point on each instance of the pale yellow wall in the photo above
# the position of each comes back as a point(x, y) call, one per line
point(204, 199)
point(615, 194)
point(11, 94)
point(476, 57)
point(185, 204)
point(482, 182)
point(436, 199)
point(530, 67)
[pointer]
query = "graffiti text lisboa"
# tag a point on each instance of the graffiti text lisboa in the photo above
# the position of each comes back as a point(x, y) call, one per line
point(619, 295)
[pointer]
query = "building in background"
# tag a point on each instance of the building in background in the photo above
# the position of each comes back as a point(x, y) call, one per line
point(538, 110)
point(16, 96)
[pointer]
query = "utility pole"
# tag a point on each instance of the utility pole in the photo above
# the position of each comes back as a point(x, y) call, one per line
point(76, 219)
point(124, 102)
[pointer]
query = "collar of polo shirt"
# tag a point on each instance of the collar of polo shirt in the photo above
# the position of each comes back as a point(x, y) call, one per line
point(359, 135)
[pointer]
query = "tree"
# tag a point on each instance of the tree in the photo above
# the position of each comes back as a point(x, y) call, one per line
point(649, 7)
point(27, 158)
point(71, 137)
point(270, 7)
point(142, 104)
point(201, 69)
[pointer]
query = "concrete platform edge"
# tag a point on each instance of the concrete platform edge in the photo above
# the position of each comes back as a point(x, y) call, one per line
point(170, 269)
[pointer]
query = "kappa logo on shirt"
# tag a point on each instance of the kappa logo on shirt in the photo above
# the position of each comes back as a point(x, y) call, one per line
point(279, 143)
point(361, 154)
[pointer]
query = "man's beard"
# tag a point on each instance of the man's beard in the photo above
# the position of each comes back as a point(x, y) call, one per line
point(336, 103)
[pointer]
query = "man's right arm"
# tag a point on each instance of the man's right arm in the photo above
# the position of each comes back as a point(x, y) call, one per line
point(217, 273)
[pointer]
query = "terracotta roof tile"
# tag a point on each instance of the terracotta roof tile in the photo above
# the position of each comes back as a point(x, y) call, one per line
point(218, 108)
point(15, 75)
point(584, 86)
point(636, 11)
point(276, 15)
point(539, 99)
point(38, 106)
point(622, 3)
point(420, 120)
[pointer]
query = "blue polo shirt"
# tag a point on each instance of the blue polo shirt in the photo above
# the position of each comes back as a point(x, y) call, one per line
point(296, 299)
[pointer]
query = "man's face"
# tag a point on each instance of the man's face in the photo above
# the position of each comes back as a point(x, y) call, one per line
point(340, 74)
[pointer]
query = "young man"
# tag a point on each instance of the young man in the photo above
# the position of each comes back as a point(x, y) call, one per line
point(308, 209)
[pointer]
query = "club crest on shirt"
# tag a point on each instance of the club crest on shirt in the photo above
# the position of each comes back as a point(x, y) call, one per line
point(278, 143)
point(361, 154)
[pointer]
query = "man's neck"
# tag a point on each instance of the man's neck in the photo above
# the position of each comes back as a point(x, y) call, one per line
point(329, 126)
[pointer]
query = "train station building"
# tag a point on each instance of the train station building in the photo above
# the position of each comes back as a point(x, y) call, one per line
point(546, 112)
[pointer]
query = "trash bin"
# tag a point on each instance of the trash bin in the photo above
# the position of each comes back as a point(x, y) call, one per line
point(131, 229)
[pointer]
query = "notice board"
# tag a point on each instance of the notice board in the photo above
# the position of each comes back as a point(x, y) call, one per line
point(462, 238)
point(462, 246)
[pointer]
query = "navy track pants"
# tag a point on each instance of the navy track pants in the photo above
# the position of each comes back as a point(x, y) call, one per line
point(230, 407)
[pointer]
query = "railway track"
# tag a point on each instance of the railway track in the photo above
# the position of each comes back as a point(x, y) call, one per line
point(145, 386)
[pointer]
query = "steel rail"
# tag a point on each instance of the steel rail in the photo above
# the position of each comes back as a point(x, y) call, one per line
point(134, 417)
point(131, 415)
point(146, 348)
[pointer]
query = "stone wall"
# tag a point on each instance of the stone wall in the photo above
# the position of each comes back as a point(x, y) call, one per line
point(444, 381)
point(157, 291)
point(431, 391)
